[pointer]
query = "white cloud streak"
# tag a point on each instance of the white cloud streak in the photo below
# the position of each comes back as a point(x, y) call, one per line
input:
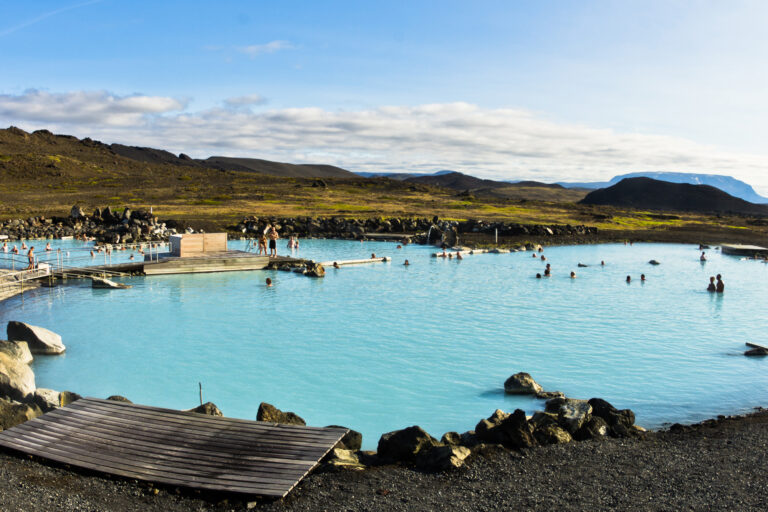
point(85, 107)
point(255, 50)
point(245, 101)
point(494, 143)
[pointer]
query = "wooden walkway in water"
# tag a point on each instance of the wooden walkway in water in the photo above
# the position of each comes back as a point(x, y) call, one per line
point(175, 447)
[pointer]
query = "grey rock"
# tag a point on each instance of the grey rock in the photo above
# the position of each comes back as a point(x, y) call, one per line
point(573, 414)
point(552, 434)
point(40, 340)
point(17, 381)
point(595, 428)
point(18, 350)
point(14, 413)
point(46, 399)
point(521, 384)
point(208, 408)
point(442, 458)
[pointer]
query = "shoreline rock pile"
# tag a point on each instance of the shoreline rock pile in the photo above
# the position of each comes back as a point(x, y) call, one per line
point(431, 231)
point(105, 225)
point(20, 398)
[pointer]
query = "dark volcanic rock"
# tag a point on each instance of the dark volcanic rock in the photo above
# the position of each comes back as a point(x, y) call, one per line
point(403, 445)
point(270, 413)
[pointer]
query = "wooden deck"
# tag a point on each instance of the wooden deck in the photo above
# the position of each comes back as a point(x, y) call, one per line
point(210, 262)
point(175, 447)
point(743, 250)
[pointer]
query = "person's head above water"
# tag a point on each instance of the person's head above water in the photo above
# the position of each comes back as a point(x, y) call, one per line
point(629, 279)
point(269, 282)
point(573, 274)
point(642, 277)
point(538, 276)
point(406, 263)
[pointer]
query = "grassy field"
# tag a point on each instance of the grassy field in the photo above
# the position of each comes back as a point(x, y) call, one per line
point(44, 174)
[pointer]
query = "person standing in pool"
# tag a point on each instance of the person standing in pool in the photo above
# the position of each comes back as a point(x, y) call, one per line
point(262, 244)
point(720, 287)
point(273, 236)
point(702, 257)
point(711, 287)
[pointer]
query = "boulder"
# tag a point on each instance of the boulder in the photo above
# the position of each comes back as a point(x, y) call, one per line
point(270, 413)
point(208, 408)
point(552, 434)
point(340, 458)
point(119, 398)
point(549, 395)
point(352, 440)
point(542, 419)
point(314, 270)
point(67, 397)
point(451, 438)
point(39, 339)
point(513, 431)
point(521, 384)
point(403, 445)
point(610, 414)
point(46, 399)
point(595, 428)
point(76, 212)
point(17, 381)
point(13, 413)
point(573, 414)
point(18, 350)
point(442, 458)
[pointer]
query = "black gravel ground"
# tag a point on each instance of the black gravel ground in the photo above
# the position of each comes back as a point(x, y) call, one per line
point(715, 465)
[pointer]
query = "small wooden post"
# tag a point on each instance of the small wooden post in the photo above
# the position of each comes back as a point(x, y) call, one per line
point(200, 384)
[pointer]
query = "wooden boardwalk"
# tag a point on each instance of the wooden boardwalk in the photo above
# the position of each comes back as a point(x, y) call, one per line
point(175, 447)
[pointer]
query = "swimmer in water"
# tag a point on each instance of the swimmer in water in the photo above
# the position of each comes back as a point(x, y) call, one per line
point(48, 247)
point(720, 288)
point(573, 274)
point(399, 246)
point(602, 263)
point(533, 255)
point(712, 287)
point(642, 278)
point(702, 257)
point(373, 256)
point(629, 279)
point(406, 263)
point(538, 276)
point(543, 258)
point(269, 282)
point(335, 265)
point(459, 256)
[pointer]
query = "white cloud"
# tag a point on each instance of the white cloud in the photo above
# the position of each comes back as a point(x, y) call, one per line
point(84, 107)
point(494, 143)
point(255, 50)
point(244, 101)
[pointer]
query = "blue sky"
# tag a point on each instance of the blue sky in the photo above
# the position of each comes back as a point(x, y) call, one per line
point(569, 90)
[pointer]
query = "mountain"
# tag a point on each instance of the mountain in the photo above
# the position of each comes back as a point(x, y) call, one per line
point(457, 181)
point(276, 168)
point(399, 175)
point(159, 156)
point(650, 194)
point(732, 186)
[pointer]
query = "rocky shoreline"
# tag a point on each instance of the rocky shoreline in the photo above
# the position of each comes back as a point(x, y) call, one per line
point(105, 225)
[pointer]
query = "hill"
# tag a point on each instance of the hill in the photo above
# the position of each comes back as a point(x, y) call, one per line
point(732, 186)
point(276, 168)
point(651, 194)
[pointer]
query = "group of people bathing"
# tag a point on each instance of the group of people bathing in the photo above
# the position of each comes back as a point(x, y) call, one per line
point(270, 236)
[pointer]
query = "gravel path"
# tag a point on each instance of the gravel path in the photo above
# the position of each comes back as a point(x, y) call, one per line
point(716, 465)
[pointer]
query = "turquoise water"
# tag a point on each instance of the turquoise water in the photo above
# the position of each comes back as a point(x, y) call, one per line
point(383, 346)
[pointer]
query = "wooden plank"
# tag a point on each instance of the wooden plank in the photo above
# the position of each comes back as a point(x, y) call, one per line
point(295, 432)
point(175, 447)
point(187, 449)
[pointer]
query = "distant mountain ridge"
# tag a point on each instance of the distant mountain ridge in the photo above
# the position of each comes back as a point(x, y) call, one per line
point(732, 186)
point(650, 194)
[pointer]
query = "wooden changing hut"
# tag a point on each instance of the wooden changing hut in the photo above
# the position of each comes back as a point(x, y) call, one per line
point(202, 252)
point(197, 244)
